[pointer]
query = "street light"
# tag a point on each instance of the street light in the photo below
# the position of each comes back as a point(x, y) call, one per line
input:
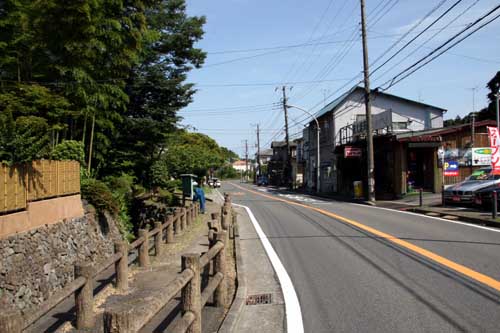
point(317, 144)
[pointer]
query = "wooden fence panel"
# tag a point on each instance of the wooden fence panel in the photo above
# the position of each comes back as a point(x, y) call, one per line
point(36, 181)
point(49, 179)
point(12, 189)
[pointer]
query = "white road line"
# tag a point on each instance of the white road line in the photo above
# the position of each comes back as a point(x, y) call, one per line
point(292, 306)
point(221, 196)
point(429, 217)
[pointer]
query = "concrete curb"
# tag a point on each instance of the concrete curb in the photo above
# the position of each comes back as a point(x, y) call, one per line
point(468, 219)
point(233, 315)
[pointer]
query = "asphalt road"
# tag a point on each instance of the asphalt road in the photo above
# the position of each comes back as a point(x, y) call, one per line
point(358, 268)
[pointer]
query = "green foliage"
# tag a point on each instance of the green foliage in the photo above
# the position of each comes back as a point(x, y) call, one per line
point(158, 175)
point(193, 153)
point(227, 172)
point(98, 194)
point(122, 191)
point(23, 139)
point(69, 150)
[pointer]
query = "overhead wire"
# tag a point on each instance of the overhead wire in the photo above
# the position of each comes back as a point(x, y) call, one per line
point(395, 54)
point(467, 9)
point(437, 52)
point(325, 11)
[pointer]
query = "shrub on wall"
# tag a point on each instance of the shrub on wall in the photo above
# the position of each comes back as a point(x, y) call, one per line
point(69, 150)
point(98, 194)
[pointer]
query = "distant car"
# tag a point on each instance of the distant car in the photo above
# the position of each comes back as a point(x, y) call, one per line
point(463, 192)
point(210, 182)
point(215, 182)
point(262, 181)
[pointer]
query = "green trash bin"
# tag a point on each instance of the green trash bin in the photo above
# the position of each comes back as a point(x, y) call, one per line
point(188, 181)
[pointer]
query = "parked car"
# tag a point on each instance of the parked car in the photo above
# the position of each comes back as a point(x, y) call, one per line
point(483, 198)
point(210, 182)
point(217, 183)
point(262, 181)
point(463, 192)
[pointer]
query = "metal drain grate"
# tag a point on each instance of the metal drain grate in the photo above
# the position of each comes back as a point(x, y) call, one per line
point(259, 299)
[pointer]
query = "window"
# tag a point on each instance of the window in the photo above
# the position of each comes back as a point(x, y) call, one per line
point(360, 117)
point(399, 125)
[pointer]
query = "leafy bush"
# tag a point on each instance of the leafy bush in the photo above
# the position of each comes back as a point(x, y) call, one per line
point(22, 139)
point(98, 194)
point(158, 174)
point(122, 191)
point(69, 150)
point(227, 172)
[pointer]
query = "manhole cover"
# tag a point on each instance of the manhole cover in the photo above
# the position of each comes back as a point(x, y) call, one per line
point(259, 299)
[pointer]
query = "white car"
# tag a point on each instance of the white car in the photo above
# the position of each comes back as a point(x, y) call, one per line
point(217, 183)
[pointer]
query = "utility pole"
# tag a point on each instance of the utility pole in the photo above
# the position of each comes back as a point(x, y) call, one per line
point(369, 132)
point(258, 150)
point(287, 139)
point(473, 120)
point(246, 161)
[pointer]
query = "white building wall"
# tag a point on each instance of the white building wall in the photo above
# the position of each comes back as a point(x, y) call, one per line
point(419, 117)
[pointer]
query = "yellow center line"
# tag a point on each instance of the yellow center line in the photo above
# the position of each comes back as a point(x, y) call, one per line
point(482, 278)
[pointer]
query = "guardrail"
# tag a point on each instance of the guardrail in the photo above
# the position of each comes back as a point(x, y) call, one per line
point(83, 284)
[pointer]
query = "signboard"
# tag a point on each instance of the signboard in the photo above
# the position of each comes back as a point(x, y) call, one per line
point(451, 168)
point(481, 156)
point(351, 152)
point(495, 147)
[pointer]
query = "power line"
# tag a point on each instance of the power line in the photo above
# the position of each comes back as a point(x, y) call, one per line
point(432, 11)
point(432, 55)
point(418, 35)
point(296, 72)
point(429, 39)
point(268, 83)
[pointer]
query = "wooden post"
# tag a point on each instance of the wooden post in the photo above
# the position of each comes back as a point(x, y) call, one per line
point(234, 218)
point(177, 223)
point(170, 229)
point(11, 321)
point(215, 216)
point(191, 293)
point(84, 297)
point(158, 239)
point(188, 216)
point(183, 219)
point(121, 266)
point(224, 218)
point(220, 266)
point(144, 248)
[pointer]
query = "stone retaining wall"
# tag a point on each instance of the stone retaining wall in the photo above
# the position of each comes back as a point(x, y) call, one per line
point(36, 263)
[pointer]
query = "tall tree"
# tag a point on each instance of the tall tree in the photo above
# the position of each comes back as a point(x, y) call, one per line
point(157, 87)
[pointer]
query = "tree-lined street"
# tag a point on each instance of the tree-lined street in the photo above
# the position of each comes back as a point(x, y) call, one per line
point(349, 279)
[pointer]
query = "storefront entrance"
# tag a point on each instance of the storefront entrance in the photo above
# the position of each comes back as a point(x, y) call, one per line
point(420, 172)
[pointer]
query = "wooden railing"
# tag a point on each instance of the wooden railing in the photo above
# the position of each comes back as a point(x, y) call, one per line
point(35, 181)
point(194, 282)
point(83, 284)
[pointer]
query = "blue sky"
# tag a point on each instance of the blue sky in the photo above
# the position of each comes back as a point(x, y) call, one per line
point(236, 87)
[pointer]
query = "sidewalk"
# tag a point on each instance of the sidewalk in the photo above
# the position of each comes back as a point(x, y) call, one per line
point(259, 280)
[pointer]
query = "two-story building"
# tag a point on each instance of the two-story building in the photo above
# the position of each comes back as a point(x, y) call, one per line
point(343, 144)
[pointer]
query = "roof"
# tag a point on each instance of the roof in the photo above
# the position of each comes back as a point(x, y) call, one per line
point(332, 106)
point(266, 152)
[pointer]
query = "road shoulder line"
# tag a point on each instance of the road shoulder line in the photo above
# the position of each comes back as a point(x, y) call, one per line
point(293, 312)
